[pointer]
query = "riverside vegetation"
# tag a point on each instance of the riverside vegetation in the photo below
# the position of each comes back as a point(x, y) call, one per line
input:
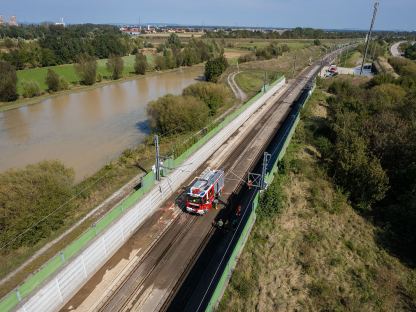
point(336, 229)
point(120, 56)
point(214, 101)
point(41, 201)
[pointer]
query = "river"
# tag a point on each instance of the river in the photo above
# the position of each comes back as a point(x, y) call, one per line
point(85, 130)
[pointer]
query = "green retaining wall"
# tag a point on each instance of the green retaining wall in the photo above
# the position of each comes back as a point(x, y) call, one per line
point(232, 262)
point(225, 277)
point(13, 298)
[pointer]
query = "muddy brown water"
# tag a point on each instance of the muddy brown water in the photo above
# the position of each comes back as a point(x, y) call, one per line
point(86, 130)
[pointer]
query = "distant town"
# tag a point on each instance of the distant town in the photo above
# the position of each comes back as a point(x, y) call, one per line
point(152, 28)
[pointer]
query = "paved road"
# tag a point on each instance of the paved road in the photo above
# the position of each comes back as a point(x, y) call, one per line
point(395, 49)
point(239, 94)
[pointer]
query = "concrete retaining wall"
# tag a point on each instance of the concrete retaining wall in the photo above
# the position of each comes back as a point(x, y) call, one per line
point(70, 270)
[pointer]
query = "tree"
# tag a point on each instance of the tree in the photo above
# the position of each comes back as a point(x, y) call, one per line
point(170, 61)
point(86, 67)
point(8, 82)
point(174, 41)
point(215, 67)
point(317, 42)
point(140, 65)
point(115, 65)
point(53, 81)
point(30, 89)
point(177, 114)
point(160, 63)
point(47, 57)
point(212, 94)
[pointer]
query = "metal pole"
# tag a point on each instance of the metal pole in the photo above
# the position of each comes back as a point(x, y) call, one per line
point(294, 66)
point(369, 35)
point(157, 166)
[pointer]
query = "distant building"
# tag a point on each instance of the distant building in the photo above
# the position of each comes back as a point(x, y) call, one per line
point(1, 20)
point(13, 21)
point(61, 23)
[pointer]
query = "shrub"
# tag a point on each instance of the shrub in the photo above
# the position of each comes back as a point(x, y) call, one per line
point(30, 89)
point(64, 84)
point(140, 65)
point(160, 63)
point(53, 81)
point(115, 65)
point(250, 57)
point(213, 95)
point(86, 67)
point(28, 200)
point(177, 114)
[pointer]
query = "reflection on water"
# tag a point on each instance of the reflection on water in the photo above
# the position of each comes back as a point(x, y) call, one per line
point(85, 130)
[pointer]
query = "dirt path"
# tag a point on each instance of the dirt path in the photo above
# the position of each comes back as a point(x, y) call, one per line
point(239, 94)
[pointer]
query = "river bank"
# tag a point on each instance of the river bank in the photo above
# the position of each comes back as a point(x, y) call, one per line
point(5, 106)
point(113, 115)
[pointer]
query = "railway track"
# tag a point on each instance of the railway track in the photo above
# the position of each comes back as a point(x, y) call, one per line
point(167, 262)
point(131, 294)
point(134, 281)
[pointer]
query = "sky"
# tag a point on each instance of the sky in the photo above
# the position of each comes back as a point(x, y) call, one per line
point(328, 14)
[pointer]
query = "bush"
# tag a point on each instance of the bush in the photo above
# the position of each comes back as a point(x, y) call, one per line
point(86, 67)
point(53, 81)
point(160, 63)
point(30, 89)
point(250, 57)
point(215, 67)
point(28, 199)
point(213, 95)
point(177, 114)
point(8, 82)
point(140, 65)
point(64, 84)
point(115, 65)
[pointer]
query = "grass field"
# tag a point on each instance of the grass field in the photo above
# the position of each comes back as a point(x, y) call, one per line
point(316, 253)
point(251, 77)
point(252, 81)
point(352, 59)
point(68, 72)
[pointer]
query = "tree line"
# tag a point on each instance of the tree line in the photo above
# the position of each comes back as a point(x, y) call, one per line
point(173, 54)
point(303, 33)
point(56, 45)
point(370, 148)
point(273, 50)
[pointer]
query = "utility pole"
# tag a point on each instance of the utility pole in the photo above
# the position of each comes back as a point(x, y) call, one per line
point(294, 65)
point(157, 166)
point(370, 31)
